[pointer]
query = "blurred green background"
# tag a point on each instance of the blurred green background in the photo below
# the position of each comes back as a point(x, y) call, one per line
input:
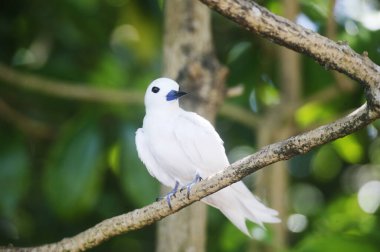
point(67, 163)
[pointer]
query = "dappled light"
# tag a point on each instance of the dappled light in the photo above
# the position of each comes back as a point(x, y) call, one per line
point(297, 223)
point(369, 196)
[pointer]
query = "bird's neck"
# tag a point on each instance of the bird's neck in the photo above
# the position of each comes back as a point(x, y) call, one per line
point(163, 110)
point(156, 118)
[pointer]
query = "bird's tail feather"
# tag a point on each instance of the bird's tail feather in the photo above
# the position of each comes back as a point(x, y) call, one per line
point(238, 204)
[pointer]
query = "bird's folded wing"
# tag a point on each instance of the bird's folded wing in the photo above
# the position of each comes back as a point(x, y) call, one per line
point(144, 153)
point(201, 143)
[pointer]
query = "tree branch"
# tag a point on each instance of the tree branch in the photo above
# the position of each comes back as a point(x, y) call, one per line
point(270, 154)
point(27, 125)
point(329, 54)
point(239, 114)
point(68, 90)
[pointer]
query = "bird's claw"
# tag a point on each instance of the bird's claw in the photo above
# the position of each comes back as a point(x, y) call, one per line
point(190, 185)
point(171, 193)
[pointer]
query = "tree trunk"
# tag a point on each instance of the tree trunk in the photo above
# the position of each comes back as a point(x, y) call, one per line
point(277, 125)
point(189, 58)
point(290, 81)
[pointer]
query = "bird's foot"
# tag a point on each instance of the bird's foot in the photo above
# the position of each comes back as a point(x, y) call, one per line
point(188, 187)
point(171, 193)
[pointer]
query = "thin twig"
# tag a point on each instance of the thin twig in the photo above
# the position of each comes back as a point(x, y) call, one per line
point(88, 93)
point(67, 90)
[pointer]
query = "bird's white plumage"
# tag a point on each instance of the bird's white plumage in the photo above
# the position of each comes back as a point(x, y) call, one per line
point(175, 145)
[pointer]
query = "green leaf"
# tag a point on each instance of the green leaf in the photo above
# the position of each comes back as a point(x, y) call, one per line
point(14, 175)
point(268, 94)
point(326, 164)
point(374, 151)
point(275, 7)
point(319, 7)
point(313, 113)
point(74, 171)
point(109, 73)
point(238, 50)
point(349, 149)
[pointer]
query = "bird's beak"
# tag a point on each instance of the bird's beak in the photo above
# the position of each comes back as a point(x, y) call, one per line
point(173, 95)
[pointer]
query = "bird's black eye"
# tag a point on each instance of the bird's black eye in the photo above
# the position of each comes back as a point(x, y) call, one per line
point(155, 89)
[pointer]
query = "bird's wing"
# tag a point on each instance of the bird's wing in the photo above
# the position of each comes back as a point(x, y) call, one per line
point(149, 161)
point(201, 143)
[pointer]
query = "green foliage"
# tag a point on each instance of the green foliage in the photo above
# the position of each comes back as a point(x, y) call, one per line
point(349, 149)
point(109, 73)
point(374, 152)
point(330, 243)
point(14, 173)
point(317, 9)
point(72, 178)
point(326, 164)
point(342, 227)
point(345, 217)
point(232, 239)
point(313, 113)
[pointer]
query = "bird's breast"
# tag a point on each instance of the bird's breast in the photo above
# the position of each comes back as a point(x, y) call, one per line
point(167, 150)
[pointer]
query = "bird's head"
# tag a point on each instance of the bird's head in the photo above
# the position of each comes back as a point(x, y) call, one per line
point(162, 92)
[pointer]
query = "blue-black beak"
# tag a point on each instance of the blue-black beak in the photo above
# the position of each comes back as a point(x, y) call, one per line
point(173, 95)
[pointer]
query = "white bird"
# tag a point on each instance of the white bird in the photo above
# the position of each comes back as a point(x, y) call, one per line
point(177, 146)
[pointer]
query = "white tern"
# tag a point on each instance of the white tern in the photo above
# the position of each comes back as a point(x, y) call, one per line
point(177, 146)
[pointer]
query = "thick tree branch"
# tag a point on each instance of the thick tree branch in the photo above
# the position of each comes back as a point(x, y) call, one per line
point(268, 155)
point(331, 55)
